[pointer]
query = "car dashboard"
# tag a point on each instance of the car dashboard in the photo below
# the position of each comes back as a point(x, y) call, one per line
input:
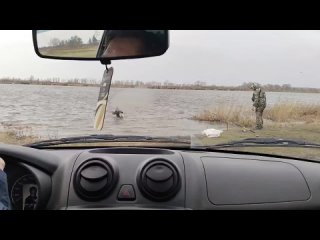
point(152, 178)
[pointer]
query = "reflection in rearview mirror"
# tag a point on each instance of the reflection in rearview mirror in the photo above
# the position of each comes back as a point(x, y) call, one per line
point(100, 44)
point(69, 43)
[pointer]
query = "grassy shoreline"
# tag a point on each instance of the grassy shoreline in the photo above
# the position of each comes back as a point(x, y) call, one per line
point(8, 137)
point(283, 120)
point(286, 113)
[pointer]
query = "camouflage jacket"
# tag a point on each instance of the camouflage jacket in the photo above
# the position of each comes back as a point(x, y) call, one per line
point(259, 98)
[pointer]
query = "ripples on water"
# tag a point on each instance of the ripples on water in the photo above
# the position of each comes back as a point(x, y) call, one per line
point(64, 111)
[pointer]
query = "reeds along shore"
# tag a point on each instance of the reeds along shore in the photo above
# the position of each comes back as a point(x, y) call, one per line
point(278, 113)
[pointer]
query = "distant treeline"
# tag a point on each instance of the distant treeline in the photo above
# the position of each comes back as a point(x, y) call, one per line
point(203, 86)
point(156, 85)
point(73, 42)
point(50, 81)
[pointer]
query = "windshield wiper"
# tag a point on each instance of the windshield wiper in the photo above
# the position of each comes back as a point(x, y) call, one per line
point(109, 138)
point(263, 142)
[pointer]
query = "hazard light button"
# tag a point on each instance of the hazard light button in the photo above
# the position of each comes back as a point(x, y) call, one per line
point(126, 193)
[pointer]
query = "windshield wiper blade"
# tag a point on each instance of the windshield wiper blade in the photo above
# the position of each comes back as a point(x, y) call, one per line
point(109, 138)
point(264, 142)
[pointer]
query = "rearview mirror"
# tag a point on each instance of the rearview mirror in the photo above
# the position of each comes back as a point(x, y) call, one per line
point(100, 44)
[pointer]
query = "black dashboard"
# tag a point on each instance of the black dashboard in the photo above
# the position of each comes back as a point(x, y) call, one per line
point(151, 178)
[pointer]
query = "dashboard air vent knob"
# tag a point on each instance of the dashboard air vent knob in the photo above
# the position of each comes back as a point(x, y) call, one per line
point(159, 180)
point(94, 179)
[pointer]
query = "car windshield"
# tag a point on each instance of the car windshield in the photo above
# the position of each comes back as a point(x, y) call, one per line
point(216, 88)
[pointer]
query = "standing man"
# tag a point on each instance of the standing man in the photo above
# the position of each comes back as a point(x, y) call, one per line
point(259, 104)
point(4, 195)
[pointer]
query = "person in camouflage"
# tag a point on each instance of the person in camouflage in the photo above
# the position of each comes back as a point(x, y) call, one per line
point(259, 104)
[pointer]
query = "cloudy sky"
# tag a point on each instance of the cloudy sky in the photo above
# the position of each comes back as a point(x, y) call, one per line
point(216, 57)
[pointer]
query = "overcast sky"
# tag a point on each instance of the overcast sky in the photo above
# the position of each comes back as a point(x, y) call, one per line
point(216, 57)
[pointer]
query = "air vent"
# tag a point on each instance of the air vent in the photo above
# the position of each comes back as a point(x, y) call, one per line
point(159, 180)
point(94, 179)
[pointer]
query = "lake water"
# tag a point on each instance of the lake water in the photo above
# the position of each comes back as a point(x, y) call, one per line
point(57, 111)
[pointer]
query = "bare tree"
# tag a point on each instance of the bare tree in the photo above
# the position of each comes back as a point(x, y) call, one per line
point(54, 42)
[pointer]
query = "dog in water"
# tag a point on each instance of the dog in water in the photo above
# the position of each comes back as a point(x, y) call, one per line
point(118, 113)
